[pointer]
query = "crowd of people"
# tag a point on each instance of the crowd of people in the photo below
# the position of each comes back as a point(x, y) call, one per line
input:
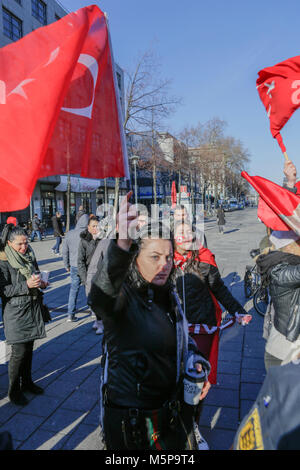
point(158, 301)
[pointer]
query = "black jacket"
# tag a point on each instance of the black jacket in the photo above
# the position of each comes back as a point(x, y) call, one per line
point(197, 284)
point(57, 226)
point(282, 272)
point(86, 249)
point(21, 309)
point(141, 331)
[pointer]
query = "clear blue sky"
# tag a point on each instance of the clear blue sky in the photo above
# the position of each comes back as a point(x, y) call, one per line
point(213, 51)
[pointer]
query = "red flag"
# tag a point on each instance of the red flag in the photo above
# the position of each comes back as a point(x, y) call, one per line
point(279, 90)
point(60, 110)
point(279, 208)
point(173, 194)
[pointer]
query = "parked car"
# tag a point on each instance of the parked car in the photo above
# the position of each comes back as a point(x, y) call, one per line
point(233, 204)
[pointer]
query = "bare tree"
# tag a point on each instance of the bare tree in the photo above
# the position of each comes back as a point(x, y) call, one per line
point(148, 103)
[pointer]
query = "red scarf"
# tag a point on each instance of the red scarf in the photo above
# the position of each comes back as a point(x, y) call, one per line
point(204, 256)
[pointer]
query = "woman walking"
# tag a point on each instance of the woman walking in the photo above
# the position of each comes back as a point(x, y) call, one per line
point(21, 309)
point(221, 219)
point(147, 344)
point(200, 288)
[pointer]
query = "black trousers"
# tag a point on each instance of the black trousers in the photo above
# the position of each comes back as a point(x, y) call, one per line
point(19, 367)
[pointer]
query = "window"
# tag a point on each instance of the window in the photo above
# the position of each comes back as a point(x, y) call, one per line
point(12, 26)
point(39, 10)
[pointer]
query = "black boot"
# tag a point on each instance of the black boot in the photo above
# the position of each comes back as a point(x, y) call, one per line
point(27, 383)
point(14, 392)
point(32, 387)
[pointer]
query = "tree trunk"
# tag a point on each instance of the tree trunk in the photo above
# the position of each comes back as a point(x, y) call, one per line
point(154, 182)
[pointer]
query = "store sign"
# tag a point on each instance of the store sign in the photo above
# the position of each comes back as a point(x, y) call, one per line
point(78, 185)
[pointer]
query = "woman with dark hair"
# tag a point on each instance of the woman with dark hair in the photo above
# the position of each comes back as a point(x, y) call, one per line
point(200, 288)
point(146, 340)
point(21, 309)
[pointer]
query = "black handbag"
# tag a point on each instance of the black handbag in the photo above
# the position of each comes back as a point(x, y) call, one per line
point(45, 313)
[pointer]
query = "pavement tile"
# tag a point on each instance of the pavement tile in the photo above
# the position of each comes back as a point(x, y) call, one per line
point(253, 375)
point(219, 417)
point(42, 405)
point(230, 381)
point(249, 391)
point(229, 367)
point(63, 421)
point(44, 440)
point(252, 363)
point(85, 437)
point(230, 356)
point(93, 417)
point(222, 397)
point(61, 388)
point(21, 425)
point(81, 400)
point(218, 439)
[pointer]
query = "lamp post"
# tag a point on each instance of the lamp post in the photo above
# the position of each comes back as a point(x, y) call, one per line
point(134, 159)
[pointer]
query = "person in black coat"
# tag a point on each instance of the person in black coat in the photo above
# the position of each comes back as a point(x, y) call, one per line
point(21, 309)
point(221, 219)
point(147, 344)
point(58, 232)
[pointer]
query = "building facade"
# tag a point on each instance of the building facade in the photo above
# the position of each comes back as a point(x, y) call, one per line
point(18, 18)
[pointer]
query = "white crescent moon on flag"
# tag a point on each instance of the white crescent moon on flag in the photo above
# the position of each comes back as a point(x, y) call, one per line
point(91, 63)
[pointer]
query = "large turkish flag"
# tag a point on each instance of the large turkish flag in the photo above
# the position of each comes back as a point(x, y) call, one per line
point(278, 208)
point(59, 107)
point(279, 90)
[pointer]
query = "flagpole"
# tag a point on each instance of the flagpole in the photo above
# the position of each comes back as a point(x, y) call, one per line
point(123, 139)
point(286, 156)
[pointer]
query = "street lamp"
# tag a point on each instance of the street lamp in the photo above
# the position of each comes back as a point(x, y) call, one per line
point(134, 159)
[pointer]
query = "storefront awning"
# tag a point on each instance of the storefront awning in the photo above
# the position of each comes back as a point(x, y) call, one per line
point(78, 185)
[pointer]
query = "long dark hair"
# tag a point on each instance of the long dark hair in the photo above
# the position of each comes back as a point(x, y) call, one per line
point(9, 233)
point(158, 230)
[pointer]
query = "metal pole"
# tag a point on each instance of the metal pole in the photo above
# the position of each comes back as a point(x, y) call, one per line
point(135, 183)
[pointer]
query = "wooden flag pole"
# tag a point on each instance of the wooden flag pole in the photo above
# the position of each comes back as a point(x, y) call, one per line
point(286, 156)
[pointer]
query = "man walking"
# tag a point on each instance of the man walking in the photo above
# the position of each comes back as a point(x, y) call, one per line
point(57, 231)
point(221, 219)
point(70, 259)
point(36, 231)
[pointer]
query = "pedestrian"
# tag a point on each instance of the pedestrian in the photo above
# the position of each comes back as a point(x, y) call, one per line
point(147, 344)
point(89, 240)
point(70, 259)
point(22, 309)
point(280, 271)
point(273, 422)
point(58, 232)
point(201, 288)
point(36, 231)
point(80, 212)
point(221, 218)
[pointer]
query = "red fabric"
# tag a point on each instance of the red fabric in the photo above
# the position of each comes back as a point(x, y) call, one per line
point(59, 108)
point(11, 220)
point(173, 194)
point(279, 90)
point(208, 344)
point(281, 208)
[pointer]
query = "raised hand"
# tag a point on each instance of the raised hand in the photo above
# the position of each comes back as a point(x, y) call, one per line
point(126, 216)
point(290, 172)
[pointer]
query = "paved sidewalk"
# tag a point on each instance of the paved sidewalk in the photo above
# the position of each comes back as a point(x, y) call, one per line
point(67, 362)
